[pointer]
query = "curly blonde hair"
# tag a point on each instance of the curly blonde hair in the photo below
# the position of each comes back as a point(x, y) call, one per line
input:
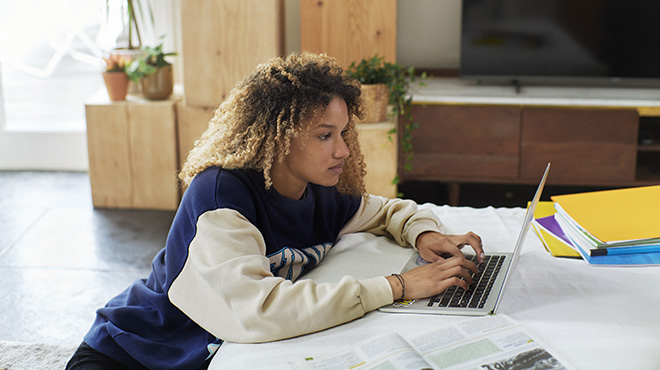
point(253, 127)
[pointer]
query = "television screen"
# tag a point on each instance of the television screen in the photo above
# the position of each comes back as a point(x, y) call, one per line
point(557, 40)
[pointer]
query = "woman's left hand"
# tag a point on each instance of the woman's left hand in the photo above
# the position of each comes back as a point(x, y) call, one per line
point(432, 245)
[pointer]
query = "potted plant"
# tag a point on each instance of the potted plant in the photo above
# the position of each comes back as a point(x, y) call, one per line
point(115, 77)
point(376, 76)
point(154, 72)
point(135, 17)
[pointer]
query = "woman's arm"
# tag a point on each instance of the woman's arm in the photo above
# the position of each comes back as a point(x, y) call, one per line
point(227, 288)
point(399, 219)
point(410, 226)
point(421, 229)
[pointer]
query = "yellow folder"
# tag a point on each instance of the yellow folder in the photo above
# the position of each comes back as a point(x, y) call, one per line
point(552, 243)
point(543, 209)
point(613, 215)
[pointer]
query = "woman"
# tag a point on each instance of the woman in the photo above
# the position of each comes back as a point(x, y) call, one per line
point(274, 181)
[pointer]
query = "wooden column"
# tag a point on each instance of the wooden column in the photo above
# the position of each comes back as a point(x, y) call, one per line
point(349, 30)
point(192, 123)
point(223, 40)
point(380, 155)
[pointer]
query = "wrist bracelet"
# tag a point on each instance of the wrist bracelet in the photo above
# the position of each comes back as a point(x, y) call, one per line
point(403, 285)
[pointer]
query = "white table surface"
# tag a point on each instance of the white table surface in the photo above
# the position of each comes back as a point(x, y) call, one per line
point(593, 317)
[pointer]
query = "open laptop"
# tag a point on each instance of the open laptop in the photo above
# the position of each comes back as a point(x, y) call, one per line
point(485, 293)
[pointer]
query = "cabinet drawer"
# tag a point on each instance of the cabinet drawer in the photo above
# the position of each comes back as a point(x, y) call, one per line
point(584, 145)
point(466, 142)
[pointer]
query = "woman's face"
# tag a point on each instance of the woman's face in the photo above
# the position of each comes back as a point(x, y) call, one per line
point(321, 159)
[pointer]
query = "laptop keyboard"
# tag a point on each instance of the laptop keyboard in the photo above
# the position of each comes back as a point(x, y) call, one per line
point(477, 294)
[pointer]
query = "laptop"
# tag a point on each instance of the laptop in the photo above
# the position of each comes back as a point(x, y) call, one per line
point(485, 293)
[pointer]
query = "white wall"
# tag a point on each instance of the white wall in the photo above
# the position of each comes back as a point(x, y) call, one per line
point(428, 33)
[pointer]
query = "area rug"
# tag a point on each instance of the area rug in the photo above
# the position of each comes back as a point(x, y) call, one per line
point(33, 356)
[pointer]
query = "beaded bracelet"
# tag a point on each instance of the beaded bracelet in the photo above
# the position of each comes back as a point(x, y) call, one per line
point(403, 285)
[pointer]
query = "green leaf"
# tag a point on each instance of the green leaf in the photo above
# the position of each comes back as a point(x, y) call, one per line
point(398, 79)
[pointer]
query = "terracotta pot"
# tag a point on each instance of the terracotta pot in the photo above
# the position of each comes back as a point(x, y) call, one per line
point(375, 98)
point(117, 85)
point(159, 85)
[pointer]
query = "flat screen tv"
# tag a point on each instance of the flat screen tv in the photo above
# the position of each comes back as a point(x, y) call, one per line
point(561, 41)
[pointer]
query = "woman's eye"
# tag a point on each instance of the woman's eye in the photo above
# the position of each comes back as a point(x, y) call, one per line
point(344, 132)
point(324, 136)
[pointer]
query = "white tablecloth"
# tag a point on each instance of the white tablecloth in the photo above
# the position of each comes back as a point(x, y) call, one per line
point(594, 317)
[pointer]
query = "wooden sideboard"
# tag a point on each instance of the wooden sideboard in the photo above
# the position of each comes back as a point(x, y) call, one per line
point(480, 134)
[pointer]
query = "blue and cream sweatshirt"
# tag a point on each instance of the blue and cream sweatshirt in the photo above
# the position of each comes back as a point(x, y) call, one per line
point(231, 265)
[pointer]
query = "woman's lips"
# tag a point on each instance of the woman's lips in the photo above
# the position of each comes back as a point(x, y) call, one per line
point(338, 168)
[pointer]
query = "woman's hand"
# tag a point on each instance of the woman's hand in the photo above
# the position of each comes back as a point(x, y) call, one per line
point(433, 278)
point(432, 245)
point(442, 272)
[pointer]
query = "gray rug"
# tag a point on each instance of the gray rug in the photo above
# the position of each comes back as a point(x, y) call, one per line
point(33, 356)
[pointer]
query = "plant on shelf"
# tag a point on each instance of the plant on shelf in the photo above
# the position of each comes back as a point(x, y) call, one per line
point(154, 72)
point(397, 79)
point(132, 18)
point(115, 77)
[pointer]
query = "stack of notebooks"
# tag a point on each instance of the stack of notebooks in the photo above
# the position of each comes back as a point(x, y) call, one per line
point(612, 227)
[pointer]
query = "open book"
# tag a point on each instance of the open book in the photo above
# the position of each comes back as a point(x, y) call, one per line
point(487, 343)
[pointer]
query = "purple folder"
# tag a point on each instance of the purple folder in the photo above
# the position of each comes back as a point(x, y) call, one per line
point(551, 225)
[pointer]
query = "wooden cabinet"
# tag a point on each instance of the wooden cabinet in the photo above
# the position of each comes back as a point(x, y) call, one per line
point(648, 151)
point(483, 143)
point(464, 142)
point(588, 146)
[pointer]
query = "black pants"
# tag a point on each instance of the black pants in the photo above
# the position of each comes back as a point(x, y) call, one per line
point(87, 358)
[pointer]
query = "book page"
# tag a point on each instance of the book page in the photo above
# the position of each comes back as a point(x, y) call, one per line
point(487, 343)
point(385, 352)
point(484, 343)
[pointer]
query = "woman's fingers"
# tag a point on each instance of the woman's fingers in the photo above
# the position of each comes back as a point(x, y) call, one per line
point(434, 246)
point(431, 279)
point(474, 241)
point(461, 271)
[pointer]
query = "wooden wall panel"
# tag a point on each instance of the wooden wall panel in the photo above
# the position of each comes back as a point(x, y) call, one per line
point(223, 40)
point(349, 30)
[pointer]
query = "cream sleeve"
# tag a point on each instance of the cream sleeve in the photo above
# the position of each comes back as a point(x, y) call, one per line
point(227, 288)
point(399, 219)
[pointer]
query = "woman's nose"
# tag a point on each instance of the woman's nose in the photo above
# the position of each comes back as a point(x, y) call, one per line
point(342, 151)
